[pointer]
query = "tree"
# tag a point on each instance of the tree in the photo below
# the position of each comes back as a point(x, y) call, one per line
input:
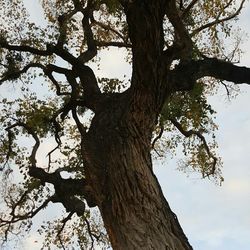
point(178, 55)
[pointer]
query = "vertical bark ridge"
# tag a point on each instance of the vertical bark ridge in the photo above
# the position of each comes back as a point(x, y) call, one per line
point(135, 212)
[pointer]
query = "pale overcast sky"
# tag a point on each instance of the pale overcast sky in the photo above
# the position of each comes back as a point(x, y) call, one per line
point(213, 217)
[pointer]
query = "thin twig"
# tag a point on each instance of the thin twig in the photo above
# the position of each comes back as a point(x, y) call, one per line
point(218, 21)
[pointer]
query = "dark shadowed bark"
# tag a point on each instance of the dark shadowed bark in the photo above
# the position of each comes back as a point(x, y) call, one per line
point(118, 144)
point(135, 212)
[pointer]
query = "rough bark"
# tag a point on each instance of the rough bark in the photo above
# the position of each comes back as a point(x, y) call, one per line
point(118, 144)
point(135, 212)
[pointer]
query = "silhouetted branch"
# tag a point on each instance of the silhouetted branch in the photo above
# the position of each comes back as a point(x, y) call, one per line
point(25, 48)
point(88, 34)
point(33, 134)
point(188, 8)
point(184, 76)
point(157, 138)
point(188, 133)
point(218, 20)
point(107, 27)
point(114, 44)
point(182, 38)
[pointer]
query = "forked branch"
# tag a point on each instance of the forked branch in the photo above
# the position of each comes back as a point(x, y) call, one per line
point(182, 37)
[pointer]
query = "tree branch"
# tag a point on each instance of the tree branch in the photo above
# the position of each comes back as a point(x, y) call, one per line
point(35, 137)
point(188, 133)
point(48, 70)
point(24, 48)
point(17, 218)
point(218, 20)
point(107, 27)
point(91, 91)
point(158, 136)
point(88, 34)
point(183, 77)
point(17, 73)
point(63, 19)
point(114, 44)
point(66, 189)
point(188, 8)
point(64, 221)
point(183, 38)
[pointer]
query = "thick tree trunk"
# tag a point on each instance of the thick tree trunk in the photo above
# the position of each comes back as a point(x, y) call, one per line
point(135, 212)
point(118, 144)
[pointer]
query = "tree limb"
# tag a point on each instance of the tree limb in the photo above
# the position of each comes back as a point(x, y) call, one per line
point(188, 8)
point(182, 38)
point(35, 137)
point(88, 34)
point(114, 44)
point(66, 189)
point(188, 133)
point(48, 70)
point(218, 20)
point(183, 77)
point(107, 27)
point(25, 48)
point(17, 218)
point(158, 136)
point(17, 73)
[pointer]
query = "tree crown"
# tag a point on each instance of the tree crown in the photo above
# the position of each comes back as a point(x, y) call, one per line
point(48, 65)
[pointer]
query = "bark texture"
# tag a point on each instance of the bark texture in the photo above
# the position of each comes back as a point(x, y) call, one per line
point(118, 144)
point(135, 212)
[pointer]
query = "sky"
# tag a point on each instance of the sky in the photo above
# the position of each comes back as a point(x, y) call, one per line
point(213, 217)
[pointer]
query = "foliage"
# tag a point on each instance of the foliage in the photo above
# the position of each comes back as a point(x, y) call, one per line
point(186, 116)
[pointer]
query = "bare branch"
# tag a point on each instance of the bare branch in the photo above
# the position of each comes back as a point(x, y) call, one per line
point(114, 44)
point(183, 38)
point(48, 70)
point(17, 217)
point(89, 232)
point(158, 136)
point(64, 221)
point(107, 27)
point(226, 87)
point(188, 8)
point(24, 48)
point(49, 155)
point(88, 34)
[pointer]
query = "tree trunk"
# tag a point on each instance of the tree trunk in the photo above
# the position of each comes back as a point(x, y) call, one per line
point(118, 144)
point(119, 167)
